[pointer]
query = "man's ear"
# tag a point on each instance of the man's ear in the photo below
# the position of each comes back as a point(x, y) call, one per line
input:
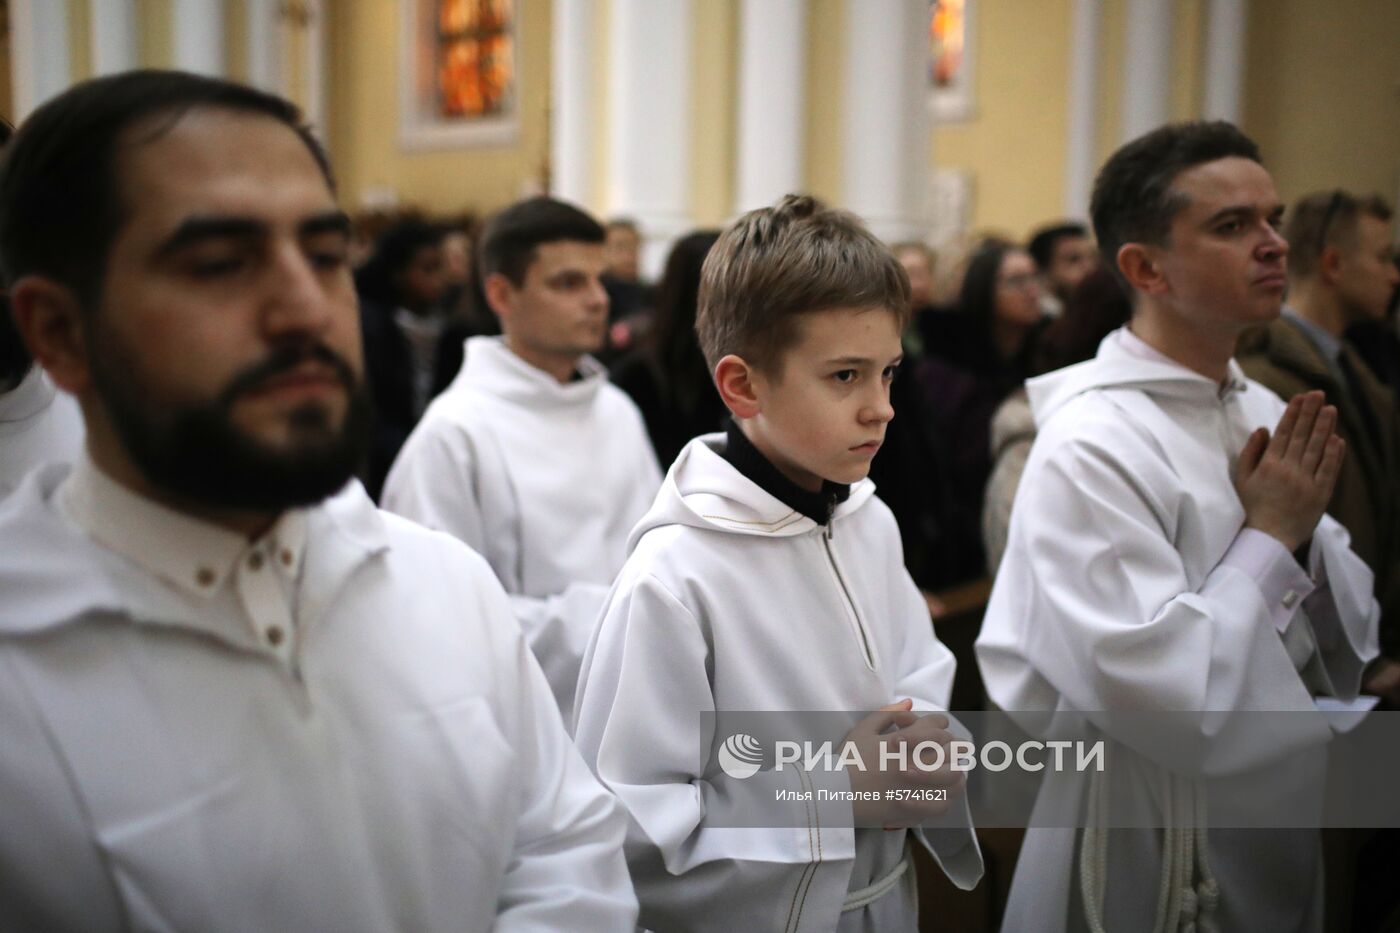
point(500, 295)
point(50, 321)
point(1329, 265)
point(735, 380)
point(1141, 265)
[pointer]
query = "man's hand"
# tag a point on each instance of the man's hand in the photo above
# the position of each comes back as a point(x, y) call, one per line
point(1285, 481)
point(1384, 681)
point(892, 811)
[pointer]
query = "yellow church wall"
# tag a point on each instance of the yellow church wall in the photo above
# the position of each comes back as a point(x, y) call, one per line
point(236, 39)
point(826, 75)
point(155, 37)
point(599, 199)
point(1323, 94)
point(1187, 80)
point(713, 116)
point(1112, 21)
point(1014, 144)
point(295, 55)
point(1322, 97)
point(79, 39)
point(364, 118)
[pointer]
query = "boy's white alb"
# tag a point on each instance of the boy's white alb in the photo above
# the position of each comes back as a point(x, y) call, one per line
point(164, 769)
point(543, 479)
point(1115, 594)
point(730, 600)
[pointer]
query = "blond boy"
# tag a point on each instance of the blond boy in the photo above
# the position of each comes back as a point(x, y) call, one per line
point(767, 576)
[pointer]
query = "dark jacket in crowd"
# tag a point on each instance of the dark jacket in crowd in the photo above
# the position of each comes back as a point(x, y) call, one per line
point(961, 382)
point(1376, 343)
point(389, 376)
point(911, 474)
point(1366, 500)
point(671, 422)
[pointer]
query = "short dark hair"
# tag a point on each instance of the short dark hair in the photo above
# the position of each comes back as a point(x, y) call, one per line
point(1327, 218)
point(59, 181)
point(777, 263)
point(510, 239)
point(394, 250)
point(1043, 241)
point(1133, 198)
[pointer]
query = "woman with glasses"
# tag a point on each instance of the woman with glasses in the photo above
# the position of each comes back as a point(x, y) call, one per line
point(965, 380)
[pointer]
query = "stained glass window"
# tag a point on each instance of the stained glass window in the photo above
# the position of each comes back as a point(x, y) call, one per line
point(475, 58)
point(947, 38)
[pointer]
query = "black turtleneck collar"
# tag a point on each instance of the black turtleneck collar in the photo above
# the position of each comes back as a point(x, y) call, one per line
point(749, 460)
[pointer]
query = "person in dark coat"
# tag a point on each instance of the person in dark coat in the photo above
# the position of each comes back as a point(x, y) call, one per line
point(999, 309)
point(666, 375)
point(405, 329)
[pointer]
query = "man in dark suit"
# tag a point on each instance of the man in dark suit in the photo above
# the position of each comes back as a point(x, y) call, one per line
point(1341, 272)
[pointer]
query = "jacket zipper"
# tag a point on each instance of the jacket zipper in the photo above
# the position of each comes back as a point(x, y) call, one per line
point(861, 634)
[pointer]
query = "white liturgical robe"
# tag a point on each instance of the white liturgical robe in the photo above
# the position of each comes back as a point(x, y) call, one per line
point(337, 726)
point(545, 480)
point(731, 600)
point(1129, 583)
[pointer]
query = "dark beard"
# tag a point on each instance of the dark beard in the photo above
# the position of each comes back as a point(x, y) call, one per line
point(197, 454)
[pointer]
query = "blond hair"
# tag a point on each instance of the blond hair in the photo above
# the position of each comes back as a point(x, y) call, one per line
point(1326, 219)
point(777, 263)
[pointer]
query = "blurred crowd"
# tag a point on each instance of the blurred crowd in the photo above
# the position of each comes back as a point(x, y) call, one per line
point(620, 475)
point(990, 312)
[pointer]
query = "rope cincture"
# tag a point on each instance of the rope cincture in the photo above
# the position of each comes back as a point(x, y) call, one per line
point(883, 885)
point(1188, 895)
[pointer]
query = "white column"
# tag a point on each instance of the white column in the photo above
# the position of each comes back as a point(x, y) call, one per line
point(1224, 59)
point(1083, 129)
point(885, 151)
point(571, 99)
point(264, 26)
point(113, 35)
point(39, 66)
point(1147, 46)
point(772, 78)
point(199, 35)
point(649, 127)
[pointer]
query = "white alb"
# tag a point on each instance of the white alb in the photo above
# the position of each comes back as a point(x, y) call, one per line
point(1130, 583)
point(544, 479)
point(730, 600)
point(166, 767)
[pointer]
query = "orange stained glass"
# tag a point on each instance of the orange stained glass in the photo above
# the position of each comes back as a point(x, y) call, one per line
point(475, 61)
point(947, 33)
point(456, 16)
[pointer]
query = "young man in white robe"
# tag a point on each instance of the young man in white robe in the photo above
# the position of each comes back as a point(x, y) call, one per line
point(769, 577)
point(1169, 552)
point(531, 455)
point(232, 697)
